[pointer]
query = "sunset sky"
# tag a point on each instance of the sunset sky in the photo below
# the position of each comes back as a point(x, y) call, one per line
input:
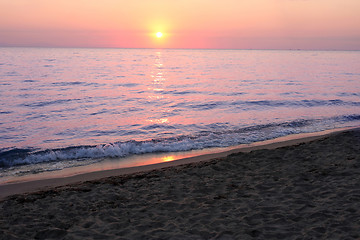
point(225, 24)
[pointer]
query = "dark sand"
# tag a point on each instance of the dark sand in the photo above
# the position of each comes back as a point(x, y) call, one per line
point(305, 191)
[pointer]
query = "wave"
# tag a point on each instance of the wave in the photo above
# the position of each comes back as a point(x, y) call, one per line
point(259, 104)
point(301, 103)
point(46, 103)
point(201, 140)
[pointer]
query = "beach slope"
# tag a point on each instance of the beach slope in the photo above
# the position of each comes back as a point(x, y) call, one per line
point(304, 191)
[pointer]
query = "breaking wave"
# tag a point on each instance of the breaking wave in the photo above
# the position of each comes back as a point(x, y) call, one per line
point(201, 140)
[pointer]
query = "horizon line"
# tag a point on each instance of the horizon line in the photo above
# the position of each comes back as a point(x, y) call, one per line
point(230, 49)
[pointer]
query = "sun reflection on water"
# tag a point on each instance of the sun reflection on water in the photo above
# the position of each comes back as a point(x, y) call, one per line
point(157, 88)
point(158, 121)
point(168, 159)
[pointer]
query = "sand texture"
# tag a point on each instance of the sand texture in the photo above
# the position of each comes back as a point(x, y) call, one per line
point(307, 191)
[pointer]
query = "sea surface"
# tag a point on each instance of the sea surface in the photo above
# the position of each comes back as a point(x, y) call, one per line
point(61, 108)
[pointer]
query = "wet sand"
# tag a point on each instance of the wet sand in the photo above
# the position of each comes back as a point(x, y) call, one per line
point(304, 191)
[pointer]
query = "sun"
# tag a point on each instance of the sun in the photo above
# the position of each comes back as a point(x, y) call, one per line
point(159, 34)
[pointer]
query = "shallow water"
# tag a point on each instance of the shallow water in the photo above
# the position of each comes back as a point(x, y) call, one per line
point(70, 107)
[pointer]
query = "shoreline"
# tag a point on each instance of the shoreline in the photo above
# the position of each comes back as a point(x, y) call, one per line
point(305, 190)
point(34, 184)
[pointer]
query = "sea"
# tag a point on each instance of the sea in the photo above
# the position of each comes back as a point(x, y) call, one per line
point(68, 107)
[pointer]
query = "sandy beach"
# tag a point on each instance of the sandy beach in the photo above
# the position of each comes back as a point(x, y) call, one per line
point(304, 191)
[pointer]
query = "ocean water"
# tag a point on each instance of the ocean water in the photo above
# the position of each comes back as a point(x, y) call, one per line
point(79, 106)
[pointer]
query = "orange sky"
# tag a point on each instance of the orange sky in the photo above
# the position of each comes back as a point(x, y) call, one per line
point(234, 24)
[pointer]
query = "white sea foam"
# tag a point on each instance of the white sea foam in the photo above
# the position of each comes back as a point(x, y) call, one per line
point(182, 143)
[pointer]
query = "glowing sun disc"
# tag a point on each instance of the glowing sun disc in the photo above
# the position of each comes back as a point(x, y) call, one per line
point(159, 34)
